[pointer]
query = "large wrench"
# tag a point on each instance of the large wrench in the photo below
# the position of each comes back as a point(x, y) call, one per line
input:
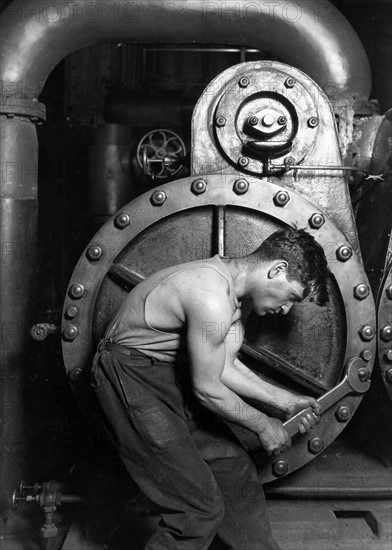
point(356, 380)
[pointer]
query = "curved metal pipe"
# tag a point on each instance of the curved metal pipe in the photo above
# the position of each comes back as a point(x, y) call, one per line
point(312, 36)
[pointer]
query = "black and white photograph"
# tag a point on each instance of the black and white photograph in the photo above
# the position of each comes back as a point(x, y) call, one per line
point(196, 275)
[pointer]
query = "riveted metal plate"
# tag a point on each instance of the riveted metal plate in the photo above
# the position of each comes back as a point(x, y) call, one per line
point(315, 342)
point(265, 96)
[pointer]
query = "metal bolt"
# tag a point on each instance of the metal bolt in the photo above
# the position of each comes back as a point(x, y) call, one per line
point(386, 333)
point(241, 186)
point(389, 292)
point(280, 468)
point(244, 82)
point(363, 374)
point(344, 253)
point(71, 312)
point(268, 120)
point(315, 445)
point(313, 122)
point(198, 186)
point(94, 253)
point(366, 354)
point(361, 291)
point(76, 291)
point(367, 333)
point(388, 355)
point(282, 120)
point(122, 220)
point(343, 413)
point(243, 161)
point(220, 121)
point(253, 120)
point(316, 221)
point(158, 198)
point(388, 376)
point(289, 161)
point(70, 332)
point(75, 375)
point(281, 198)
point(289, 82)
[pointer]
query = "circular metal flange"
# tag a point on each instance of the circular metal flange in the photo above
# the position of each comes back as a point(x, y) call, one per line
point(182, 203)
point(273, 123)
point(384, 323)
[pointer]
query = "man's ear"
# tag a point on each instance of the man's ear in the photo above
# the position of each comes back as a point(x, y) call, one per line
point(278, 267)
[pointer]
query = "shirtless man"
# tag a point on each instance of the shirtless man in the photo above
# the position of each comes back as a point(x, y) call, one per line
point(167, 373)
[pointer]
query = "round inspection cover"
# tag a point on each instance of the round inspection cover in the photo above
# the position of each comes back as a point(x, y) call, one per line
point(194, 218)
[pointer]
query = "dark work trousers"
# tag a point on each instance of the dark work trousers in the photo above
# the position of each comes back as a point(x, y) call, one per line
point(183, 458)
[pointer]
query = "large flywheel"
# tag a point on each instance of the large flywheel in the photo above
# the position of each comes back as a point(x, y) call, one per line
point(311, 350)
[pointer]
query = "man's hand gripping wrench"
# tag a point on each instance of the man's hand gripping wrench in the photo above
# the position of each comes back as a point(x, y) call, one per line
point(356, 380)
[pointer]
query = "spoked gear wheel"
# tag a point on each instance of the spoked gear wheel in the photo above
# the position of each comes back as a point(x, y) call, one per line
point(161, 154)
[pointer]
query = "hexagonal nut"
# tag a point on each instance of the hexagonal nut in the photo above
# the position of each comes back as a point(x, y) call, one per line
point(240, 186)
point(386, 333)
point(289, 82)
point(388, 376)
point(388, 290)
point(198, 186)
point(244, 82)
point(243, 162)
point(316, 220)
point(388, 356)
point(71, 312)
point(220, 121)
point(367, 333)
point(280, 468)
point(343, 413)
point(76, 291)
point(313, 122)
point(344, 253)
point(158, 198)
point(76, 374)
point(94, 253)
point(122, 220)
point(367, 355)
point(281, 198)
point(315, 445)
point(70, 332)
point(361, 291)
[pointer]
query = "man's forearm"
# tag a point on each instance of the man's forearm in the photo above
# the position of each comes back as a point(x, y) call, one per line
point(243, 381)
point(223, 402)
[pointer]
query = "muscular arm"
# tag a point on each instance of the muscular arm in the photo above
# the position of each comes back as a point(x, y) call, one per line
point(240, 379)
point(208, 320)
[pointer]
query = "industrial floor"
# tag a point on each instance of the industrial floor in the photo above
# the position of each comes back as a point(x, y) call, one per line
point(298, 524)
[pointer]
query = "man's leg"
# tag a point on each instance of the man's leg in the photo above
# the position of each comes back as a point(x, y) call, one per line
point(154, 443)
point(245, 525)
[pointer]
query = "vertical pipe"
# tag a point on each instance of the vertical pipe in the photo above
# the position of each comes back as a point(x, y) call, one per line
point(18, 226)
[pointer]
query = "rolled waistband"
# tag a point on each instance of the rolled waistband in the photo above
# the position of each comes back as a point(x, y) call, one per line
point(124, 350)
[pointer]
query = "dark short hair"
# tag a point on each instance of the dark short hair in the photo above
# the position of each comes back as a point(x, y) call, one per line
point(305, 257)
